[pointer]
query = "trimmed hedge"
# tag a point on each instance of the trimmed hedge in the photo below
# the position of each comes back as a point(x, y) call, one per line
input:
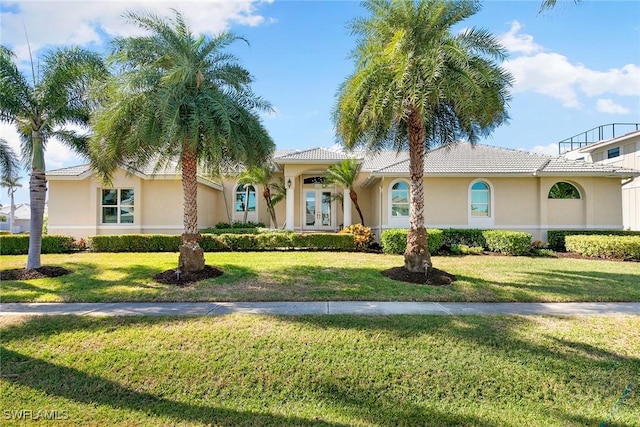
point(556, 238)
point(508, 242)
point(611, 246)
point(220, 231)
point(471, 237)
point(135, 243)
point(394, 241)
point(224, 242)
point(51, 244)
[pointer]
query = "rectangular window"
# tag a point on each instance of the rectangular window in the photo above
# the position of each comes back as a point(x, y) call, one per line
point(117, 206)
point(613, 152)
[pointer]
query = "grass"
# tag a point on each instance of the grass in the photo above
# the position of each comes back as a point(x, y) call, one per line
point(323, 370)
point(306, 276)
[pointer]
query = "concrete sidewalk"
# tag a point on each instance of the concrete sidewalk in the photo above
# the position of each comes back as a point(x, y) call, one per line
point(321, 307)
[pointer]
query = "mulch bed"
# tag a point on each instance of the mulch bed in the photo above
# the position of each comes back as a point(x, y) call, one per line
point(169, 277)
point(35, 273)
point(435, 277)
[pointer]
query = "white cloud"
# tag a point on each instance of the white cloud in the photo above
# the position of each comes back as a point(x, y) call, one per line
point(550, 150)
point(609, 106)
point(522, 43)
point(554, 75)
point(81, 22)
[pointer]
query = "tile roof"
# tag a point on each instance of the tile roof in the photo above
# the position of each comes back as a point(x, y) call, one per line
point(463, 158)
point(313, 154)
point(70, 171)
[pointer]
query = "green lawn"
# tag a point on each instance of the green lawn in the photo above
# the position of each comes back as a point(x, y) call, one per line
point(305, 276)
point(324, 370)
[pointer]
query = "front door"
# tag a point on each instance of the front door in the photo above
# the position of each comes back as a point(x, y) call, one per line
point(318, 210)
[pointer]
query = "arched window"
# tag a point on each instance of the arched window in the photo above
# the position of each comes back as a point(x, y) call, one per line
point(564, 190)
point(480, 200)
point(245, 193)
point(400, 199)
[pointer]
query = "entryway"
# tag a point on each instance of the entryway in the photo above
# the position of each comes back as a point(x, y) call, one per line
point(319, 213)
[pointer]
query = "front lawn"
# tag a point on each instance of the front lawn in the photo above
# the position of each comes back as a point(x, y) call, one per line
point(317, 276)
point(322, 370)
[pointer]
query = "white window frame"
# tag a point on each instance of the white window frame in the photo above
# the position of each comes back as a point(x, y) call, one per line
point(118, 206)
point(481, 221)
point(398, 221)
point(252, 216)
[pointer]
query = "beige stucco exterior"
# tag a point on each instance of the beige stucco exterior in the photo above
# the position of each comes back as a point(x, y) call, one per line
point(629, 158)
point(516, 201)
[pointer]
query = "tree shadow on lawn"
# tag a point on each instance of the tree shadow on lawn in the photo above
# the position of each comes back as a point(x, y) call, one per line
point(355, 402)
point(559, 285)
point(602, 373)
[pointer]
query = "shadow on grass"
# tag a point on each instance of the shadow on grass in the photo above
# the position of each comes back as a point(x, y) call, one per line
point(132, 282)
point(93, 390)
point(352, 402)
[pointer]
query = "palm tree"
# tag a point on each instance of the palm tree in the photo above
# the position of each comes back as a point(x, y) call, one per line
point(9, 164)
point(345, 174)
point(261, 175)
point(418, 85)
point(11, 183)
point(178, 96)
point(550, 4)
point(43, 108)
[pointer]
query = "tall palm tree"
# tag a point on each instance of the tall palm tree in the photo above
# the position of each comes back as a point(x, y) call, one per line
point(9, 164)
point(178, 95)
point(11, 183)
point(44, 108)
point(261, 175)
point(550, 4)
point(345, 174)
point(418, 85)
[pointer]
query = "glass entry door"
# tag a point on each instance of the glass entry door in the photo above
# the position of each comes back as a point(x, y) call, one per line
point(318, 210)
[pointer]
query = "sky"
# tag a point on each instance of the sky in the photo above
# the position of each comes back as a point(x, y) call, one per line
point(576, 66)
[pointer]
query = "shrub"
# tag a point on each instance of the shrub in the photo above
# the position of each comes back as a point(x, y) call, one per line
point(219, 231)
point(619, 247)
point(280, 239)
point(471, 237)
point(51, 244)
point(466, 250)
point(556, 238)
point(508, 242)
point(324, 241)
point(135, 243)
point(239, 242)
point(213, 243)
point(362, 235)
point(394, 241)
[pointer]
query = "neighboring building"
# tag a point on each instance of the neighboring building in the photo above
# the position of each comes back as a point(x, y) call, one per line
point(21, 219)
point(465, 187)
point(619, 152)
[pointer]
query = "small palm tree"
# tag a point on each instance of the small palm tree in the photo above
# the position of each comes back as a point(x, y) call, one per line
point(345, 174)
point(418, 85)
point(43, 108)
point(11, 183)
point(9, 164)
point(261, 175)
point(178, 96)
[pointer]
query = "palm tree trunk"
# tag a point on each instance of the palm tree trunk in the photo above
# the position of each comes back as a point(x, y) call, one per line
point(37, 197)
point(272, 212)
point(354, 198)
point(246, 204)
point(191, 254)
point(416, 256)
point(12, 211)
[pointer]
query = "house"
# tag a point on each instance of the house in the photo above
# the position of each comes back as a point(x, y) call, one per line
point(465, 187)
point(621, 152)
point(21, 218)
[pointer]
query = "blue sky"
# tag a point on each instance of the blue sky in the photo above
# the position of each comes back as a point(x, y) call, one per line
point(576, 66)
